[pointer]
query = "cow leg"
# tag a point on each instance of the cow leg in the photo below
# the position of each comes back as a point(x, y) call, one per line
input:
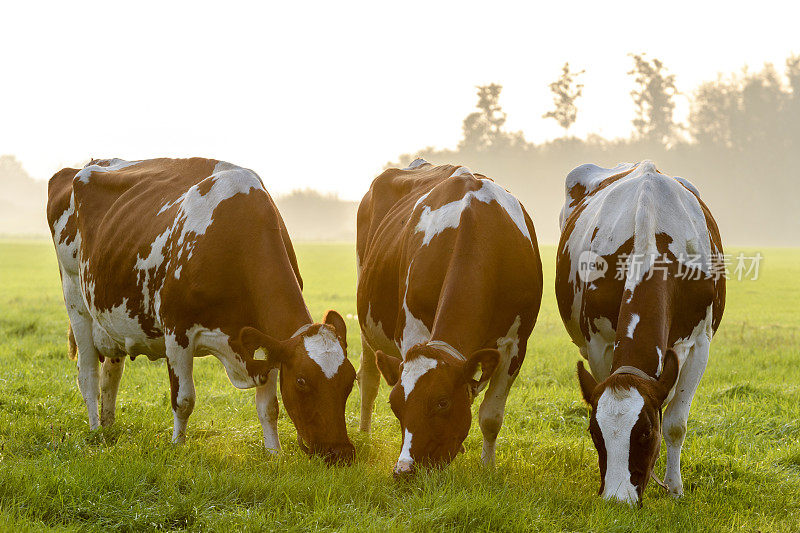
point(181, 384)
point(110, 374)
point(493, 406)
point(677, 412)
point(267, 409)
point(88, 367)
point(369, 379)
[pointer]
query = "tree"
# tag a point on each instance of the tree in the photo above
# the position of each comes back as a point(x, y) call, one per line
point(653, 96)
point(565, 93)
point(484, 128)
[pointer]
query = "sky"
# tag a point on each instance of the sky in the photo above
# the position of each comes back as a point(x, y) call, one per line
point(324, 94)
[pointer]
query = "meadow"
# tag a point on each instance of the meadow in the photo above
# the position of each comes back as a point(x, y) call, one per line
point(741, 460)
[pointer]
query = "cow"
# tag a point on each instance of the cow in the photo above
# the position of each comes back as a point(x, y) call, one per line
point(180, 258)
point(640, 291)
point(449, 283)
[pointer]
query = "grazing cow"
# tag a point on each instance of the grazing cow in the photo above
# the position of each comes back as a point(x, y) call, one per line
point(639, 291)
point(450, 280)
point(180, 258)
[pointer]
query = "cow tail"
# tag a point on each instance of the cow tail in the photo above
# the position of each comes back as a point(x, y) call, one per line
point(73, 348)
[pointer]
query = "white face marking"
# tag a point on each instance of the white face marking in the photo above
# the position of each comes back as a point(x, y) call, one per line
point(632, 324)
point(433, 222)
point(324, 349)
point(405, 461)
point(405, 453)
point(413, 370)
point(617, 413)
point(418, 162)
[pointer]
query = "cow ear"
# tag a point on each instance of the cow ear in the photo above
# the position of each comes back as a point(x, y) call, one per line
point(389, 367)
point(332, 318)
point(587, 382)
point(488, 359)
point(669, 374)
point(252, 339)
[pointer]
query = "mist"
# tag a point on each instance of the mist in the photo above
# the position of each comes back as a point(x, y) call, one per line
point(738, 145)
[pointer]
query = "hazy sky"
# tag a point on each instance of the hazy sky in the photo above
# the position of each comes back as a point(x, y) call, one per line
point(323, 94)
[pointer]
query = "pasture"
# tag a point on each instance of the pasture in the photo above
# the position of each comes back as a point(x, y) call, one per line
point(741, 460)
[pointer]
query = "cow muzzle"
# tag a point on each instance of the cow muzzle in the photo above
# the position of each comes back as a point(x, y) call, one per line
point(403, 469)
point(332, 454)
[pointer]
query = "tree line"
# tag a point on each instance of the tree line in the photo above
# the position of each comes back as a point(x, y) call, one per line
point(739, 145)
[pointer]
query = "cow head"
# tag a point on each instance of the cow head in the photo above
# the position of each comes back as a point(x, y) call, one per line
point(316, 378)
point(431, 397)
point(625, 426)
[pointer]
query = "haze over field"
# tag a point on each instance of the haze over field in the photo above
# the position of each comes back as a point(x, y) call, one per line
point(323, 96)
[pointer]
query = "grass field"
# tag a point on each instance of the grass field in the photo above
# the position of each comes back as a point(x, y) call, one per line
point(741, 460)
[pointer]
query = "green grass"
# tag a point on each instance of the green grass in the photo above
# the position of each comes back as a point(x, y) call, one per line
point(741, 460)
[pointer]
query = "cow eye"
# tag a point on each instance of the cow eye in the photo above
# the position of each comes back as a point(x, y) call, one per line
point(442, 404)
point(301, 384)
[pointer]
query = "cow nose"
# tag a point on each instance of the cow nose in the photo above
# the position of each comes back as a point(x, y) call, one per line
point(343, 454)
point(403, 469)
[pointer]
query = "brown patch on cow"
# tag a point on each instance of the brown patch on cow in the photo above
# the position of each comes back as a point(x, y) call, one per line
point(206, 185)
point(577, 192)
point(173, 387)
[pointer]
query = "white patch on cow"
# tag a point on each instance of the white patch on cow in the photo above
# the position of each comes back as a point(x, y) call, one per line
point(418, 162)
point(688, 184)
point(413, 370)
point(421, 199)
point(84, 174)
point(660, 362)
point(617, 413)
point(600, 347)
point(589, 176)
point(205, 341)
point(460, 171)
point(116, 329)
point(632, 324)
point(197, 210)
point(61, 222)
point(415, 331)
point(433, 222)
point(150, 264)
point(376, 336)
point(640, 205)
point(324, 349)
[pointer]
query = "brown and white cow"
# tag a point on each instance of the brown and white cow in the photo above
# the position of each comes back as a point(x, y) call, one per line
point(180, 258)
point(450, 280)
point(639, 291)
